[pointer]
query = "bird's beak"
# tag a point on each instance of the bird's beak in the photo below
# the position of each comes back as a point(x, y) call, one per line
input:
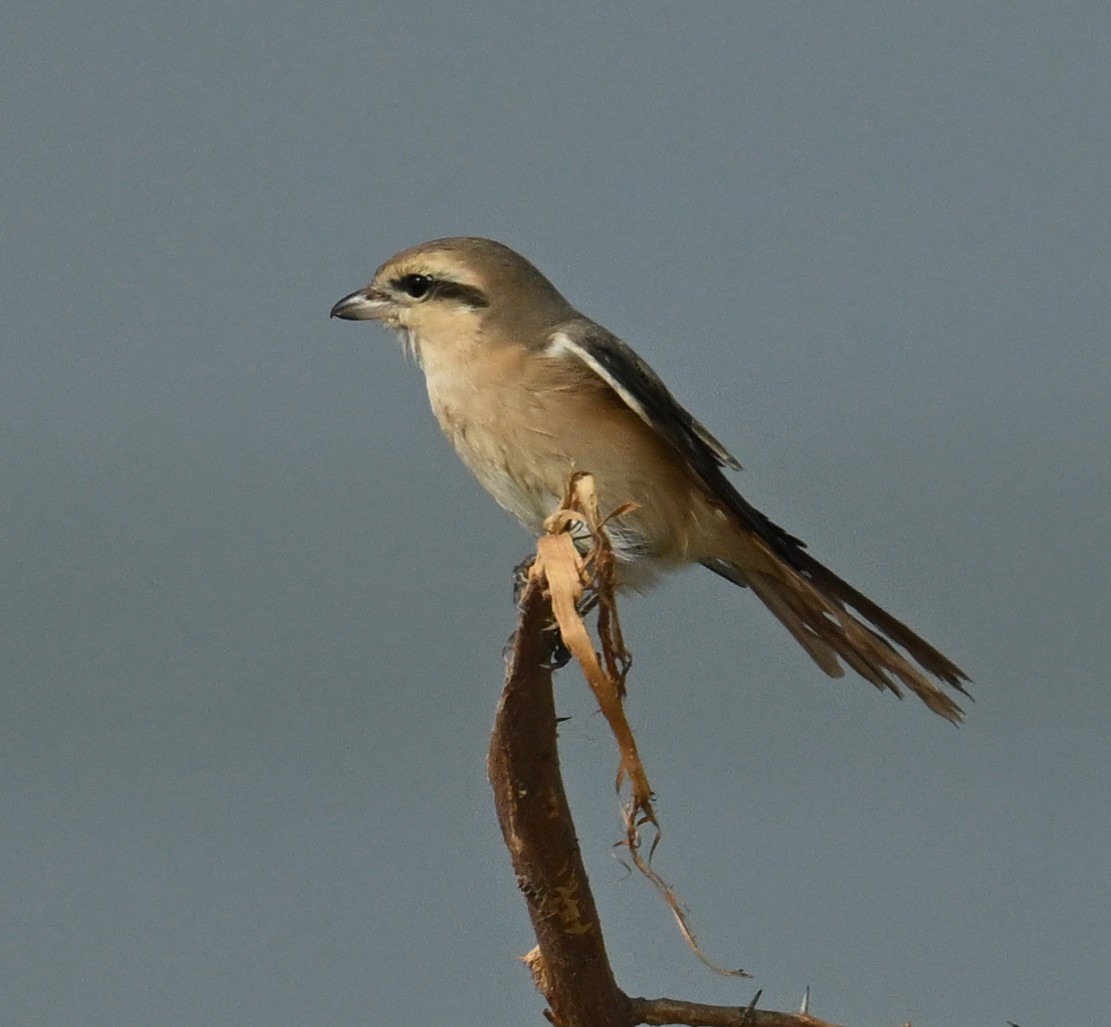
point(364, 305)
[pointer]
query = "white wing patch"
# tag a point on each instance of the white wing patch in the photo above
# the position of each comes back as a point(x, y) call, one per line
point(562, 345)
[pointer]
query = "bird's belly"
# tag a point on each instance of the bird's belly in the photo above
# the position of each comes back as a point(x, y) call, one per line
point(520, 477)
point(523, 446)
point(530, 481)
point(514, 489)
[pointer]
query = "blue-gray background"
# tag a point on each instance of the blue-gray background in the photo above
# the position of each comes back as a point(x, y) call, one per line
point(254, 608)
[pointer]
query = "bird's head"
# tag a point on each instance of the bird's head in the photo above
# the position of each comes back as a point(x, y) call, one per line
point(446, 285)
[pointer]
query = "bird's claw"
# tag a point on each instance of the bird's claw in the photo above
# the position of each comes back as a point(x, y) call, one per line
point(520, 580)
point(558, 653)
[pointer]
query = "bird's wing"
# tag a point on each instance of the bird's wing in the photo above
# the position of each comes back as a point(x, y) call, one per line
point(644, 392)
point(641, 389)
point(823, 594)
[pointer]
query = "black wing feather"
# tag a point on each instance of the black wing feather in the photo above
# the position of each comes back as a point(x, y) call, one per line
point(645, 393)
point(704, 455)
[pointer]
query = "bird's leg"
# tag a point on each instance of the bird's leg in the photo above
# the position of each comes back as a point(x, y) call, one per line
point(559, 655)
point(520, 579)
point(587, 602)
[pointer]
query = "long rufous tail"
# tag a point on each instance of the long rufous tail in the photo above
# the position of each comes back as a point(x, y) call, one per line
point(837, 624)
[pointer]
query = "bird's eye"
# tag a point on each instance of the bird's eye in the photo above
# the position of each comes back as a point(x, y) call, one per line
point(415, 285)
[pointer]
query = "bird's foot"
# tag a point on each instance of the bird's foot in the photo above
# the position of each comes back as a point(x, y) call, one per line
point(558, 654)
point(520, 579)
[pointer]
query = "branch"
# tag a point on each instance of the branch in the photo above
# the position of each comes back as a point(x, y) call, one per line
point(659, 1011)
point(571, 967)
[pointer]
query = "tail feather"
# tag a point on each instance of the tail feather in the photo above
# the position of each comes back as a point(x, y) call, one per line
point(819, 650)
point(815, 606)
point(929, 658)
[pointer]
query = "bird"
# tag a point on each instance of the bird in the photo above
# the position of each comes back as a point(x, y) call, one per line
point(530, 392)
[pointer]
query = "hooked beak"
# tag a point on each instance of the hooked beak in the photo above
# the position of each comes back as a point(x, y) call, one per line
point(363, 305)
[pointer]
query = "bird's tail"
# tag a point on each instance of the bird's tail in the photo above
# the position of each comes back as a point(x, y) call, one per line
point(837, 624)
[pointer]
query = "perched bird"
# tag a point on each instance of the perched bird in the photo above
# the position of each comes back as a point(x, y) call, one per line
point(529, 391)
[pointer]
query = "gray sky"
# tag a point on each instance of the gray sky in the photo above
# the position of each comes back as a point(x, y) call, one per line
point(254, 607)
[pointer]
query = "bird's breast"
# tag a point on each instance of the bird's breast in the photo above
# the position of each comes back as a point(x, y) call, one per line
point(501, 430)
point(524, 426)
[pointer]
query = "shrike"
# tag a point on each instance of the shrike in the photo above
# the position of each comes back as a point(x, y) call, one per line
point(529, 391)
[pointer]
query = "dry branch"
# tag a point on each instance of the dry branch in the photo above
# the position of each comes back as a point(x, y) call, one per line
point(571, 968)
point(570, 965)
point(660, 1011)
